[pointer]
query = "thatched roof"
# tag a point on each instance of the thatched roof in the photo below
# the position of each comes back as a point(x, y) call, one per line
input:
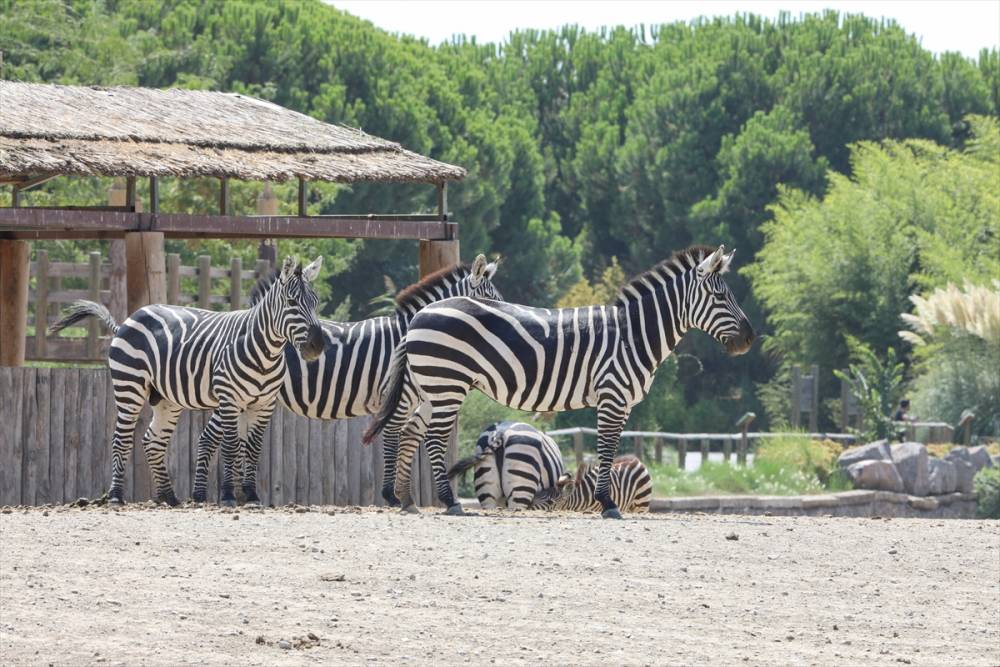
point(51, 129)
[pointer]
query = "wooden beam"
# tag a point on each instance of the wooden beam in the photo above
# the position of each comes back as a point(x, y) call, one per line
point(442, 200)
point(223, 196)
point(303, 209)
point(13, 301)
point(154, 195)
point(146, 269)
point(26, 182)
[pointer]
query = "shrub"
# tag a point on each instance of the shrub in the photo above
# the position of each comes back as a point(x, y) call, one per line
point(800, 453)
point(987, 488)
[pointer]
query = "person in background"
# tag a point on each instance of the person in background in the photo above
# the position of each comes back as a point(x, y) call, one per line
point(902, 415)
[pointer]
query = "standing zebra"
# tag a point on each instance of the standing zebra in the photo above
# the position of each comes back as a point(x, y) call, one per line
point(514, 462)
point(631, 488)
point(186, 358)
point(552, 360)
point(346, 379)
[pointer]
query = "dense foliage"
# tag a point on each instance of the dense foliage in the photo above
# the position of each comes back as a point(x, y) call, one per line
point(581, 146)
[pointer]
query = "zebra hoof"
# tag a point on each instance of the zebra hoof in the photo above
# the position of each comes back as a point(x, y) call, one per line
point(252, 504)
point(199, 497)
point(455, 510)
point(228, 502)
point(168, 498)
point(409, 509)
point(390, 497)
point(611, 513)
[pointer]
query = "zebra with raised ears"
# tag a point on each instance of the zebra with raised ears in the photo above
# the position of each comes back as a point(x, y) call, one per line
point(346, 379)
point(630, 486)
point(552, 360)
point(513, 463)
point(179, 358)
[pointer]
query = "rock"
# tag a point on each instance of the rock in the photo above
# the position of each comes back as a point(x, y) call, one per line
point(980, 457)
point(911, 462)
point(996, 459)
point(875, 474)
point(284, 644)
point(878, 450)
point(942, 477)
point(965, 472)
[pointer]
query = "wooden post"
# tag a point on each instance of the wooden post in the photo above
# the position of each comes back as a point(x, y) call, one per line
point(727, 449)
point(796, 404)
point(154, 194)
point(965, 424)
point(659, 449)
point(261, 269)
point(223, 196)
point(704, 452)
point(146, 269)
point(15, 197)
point(303, 207)
point(578, 448)
point(205, 282)
point(118, 304)
point(638, 448)
point(267, 204)
point(682, 449)
point(743, 423)
point(173, 278)
point(14, 279)
point(41, 301)
point(93, 326)
point(814, 406)
point(235, 283)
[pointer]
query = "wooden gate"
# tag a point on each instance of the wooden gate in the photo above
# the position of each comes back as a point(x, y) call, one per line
point(55, 446)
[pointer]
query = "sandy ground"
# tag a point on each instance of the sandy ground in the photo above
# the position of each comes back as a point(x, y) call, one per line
point(149, 586)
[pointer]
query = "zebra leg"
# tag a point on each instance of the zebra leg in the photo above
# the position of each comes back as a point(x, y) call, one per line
point(611, 418)
point(257, 422)
point(207, 444)
point(413, 435)
point(229, 415)
point(121, 448)
point(438, 432)
point(154, 442)
point(390, 449)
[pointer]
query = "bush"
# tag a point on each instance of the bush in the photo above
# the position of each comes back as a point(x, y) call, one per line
point(800, 453)
point(987, 487)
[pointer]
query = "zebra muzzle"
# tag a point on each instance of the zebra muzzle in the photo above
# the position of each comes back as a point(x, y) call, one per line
point(312, 347)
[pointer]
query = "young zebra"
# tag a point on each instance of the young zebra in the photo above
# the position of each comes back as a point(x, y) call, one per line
point(631, 489)
point(514, 462)
point(552, 360)
point(346, 379)
point(185, 358)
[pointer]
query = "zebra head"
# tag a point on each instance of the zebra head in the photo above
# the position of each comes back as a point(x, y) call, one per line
point(712, 307)
point(297, 321)
point(479, 283)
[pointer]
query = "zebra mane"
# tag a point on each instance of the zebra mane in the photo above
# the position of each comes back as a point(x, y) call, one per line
point(263, 284)
point(412, 296)
point(679, 262)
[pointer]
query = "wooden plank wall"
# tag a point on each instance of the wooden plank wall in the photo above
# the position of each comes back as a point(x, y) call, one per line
point(55, 446)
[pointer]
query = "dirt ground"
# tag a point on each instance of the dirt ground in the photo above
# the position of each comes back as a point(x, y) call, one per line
point(147, 586)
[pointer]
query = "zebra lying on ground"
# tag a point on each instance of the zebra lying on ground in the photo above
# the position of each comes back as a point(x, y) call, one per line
point(631, 488)
point(514, 462)
point(186, 358)
point(346, 379)
point(552, 360)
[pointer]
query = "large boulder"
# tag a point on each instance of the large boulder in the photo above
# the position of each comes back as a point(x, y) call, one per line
point(911, 462)
point(942, 477)
point(876, 475)
point(996, 459)
point(977, 456)
point(965, 472)
point(873, 451)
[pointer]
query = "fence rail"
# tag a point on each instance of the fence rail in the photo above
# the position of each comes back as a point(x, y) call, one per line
point(55, 446)
point(105, 283)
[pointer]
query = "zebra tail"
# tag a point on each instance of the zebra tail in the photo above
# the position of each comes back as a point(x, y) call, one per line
point(393, 393)
point(463, 465)
point(81, 310)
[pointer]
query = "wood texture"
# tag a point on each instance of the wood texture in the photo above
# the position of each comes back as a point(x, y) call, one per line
point(13, 301)
point(146, 269)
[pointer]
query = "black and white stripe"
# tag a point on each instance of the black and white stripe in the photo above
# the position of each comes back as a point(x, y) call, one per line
point(179, 358)
point(347, 378)
point(513, 463)
point(552, 360)
point(631, 488)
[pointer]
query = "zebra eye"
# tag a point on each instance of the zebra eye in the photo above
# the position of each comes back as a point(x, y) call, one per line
point(290, 301)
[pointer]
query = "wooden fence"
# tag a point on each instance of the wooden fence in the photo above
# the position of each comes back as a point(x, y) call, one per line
point(104, 281)
point(55, 446)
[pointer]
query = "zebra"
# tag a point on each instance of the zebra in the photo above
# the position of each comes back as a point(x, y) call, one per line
point(180, 358)
point(514, 462)
point(346, 379)
point(631, 488)
point(552, 360)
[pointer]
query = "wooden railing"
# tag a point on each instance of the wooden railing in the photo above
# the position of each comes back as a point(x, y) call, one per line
point(103, 281)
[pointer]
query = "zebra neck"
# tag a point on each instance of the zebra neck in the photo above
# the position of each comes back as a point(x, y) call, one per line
point(407, 311)
point(263, 331)
point(655, 318)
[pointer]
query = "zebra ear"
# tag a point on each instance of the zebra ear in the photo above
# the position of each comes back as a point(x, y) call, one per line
point(564, 479)
point(310, 272)
point(726, 261)
point(712, 263)
point(491, 268)
point(287, 267)
point(478, 269)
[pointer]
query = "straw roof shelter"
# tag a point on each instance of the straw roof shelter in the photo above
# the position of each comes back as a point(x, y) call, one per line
point(49, 130)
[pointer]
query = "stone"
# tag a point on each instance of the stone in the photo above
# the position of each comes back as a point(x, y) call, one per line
point(911, 462)
point(942, 477)
point(878, 450)
point(980, 457)
point(996, 459)
point(875, 474)
point(965, 472)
